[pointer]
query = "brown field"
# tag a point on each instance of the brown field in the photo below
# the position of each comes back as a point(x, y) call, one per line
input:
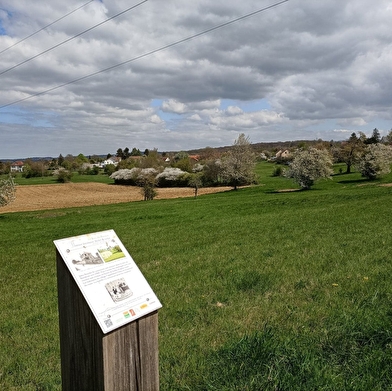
point(69, 195)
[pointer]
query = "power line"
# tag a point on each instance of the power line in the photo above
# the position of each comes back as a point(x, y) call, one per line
point(48, 25)
point(72, 38)
point(170, 45)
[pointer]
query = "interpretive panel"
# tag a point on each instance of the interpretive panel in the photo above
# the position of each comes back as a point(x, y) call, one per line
point(112, 284)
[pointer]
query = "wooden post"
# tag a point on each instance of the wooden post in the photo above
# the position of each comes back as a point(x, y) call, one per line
point(125, 359)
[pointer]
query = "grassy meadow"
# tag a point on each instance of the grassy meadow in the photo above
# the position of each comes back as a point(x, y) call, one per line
point(262, 289)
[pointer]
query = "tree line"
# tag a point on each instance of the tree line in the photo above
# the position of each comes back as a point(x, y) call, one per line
point(235, 166)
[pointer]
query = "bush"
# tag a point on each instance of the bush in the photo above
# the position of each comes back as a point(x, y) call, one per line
point(109, 169)
point(34, 170)
point(171, 177)
point(63, 175)
point(134, 177)
point(88, 169)
point(278, 171)
point(126, 176)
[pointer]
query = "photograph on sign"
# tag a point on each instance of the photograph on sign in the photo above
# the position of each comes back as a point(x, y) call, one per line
point(109, 279)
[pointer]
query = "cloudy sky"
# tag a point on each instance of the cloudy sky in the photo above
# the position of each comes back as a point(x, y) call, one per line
point(302, 69)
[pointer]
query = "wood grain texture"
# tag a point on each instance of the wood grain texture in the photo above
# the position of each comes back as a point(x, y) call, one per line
point(124, 360)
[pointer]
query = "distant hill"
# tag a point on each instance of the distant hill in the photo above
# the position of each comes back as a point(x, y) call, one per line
point(258, 147)
point(266, 146)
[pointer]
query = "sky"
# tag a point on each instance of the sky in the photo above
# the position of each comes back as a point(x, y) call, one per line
point(180, 75)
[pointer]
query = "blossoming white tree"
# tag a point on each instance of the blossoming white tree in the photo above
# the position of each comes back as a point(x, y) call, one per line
point(238, 165)
point(376, 161)
point(310, 165)
point(7, 191)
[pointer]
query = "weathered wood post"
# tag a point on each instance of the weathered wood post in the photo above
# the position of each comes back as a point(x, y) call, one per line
point(125, 359)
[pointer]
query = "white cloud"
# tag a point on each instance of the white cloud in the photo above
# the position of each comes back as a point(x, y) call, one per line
point(318, 74)
point(173, 106)
point(234, 110)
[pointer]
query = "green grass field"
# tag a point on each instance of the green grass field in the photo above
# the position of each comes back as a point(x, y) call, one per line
point(48, 180)
point(261, 289)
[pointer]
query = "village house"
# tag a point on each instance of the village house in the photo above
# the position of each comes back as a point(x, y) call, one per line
point(283, 154)
point(17, 166)
point(112, 160)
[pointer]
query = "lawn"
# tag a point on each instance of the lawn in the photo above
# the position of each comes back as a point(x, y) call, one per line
point(262, 289)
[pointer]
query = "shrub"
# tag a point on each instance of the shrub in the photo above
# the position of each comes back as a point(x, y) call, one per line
point(278, 171)
point(126, 176)
point(63, 175)
point(109, 169)
point(34, 170)
point(88, 169)
point(171, 177)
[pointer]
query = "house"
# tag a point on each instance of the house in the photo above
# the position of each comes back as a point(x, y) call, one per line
point(283, 154)
point(196, 158)
point(112, 160)
point(17, 166)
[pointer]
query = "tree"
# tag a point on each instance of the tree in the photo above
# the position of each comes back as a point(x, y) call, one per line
point(34, 169)
point(238, 165)
point(309, 166)
point(196, 181)
point(147, 181)
point(375, 161)
point(126, 153)
point(211, 172)
point(350, 151)
point(60, 160)
point(152, 160)
point(136, 152)
point(388, 138)
point(375, 137)
point(80, 159)
point(7, 191)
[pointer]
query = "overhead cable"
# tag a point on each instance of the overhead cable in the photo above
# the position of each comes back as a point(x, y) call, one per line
point(43, 28)
point(72, 38)
point(170, 45)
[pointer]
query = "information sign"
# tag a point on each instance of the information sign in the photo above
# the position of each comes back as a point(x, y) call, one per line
point(109, 279)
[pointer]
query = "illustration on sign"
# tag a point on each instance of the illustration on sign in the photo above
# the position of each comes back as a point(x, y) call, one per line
point(108, 278)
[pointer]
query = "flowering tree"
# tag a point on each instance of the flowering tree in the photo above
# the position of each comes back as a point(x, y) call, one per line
point(126, 175)
point(376, 161)
point(172, 176)
point(309, 166)
point(238, 165)
point(7, 191)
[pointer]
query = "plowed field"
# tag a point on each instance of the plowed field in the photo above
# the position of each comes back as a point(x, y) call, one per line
point(68, 195)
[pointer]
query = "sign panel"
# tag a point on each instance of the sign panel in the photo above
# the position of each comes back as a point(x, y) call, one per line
point(112, 284)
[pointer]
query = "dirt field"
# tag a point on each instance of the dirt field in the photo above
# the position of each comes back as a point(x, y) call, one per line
point(68, 195)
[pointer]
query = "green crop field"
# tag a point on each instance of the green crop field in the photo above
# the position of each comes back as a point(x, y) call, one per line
point(261, 289)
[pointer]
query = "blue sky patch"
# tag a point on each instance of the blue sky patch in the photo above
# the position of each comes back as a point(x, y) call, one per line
point(16, 116)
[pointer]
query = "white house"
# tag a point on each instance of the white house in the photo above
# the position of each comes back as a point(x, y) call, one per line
point(112, 160)
point(17, 166)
